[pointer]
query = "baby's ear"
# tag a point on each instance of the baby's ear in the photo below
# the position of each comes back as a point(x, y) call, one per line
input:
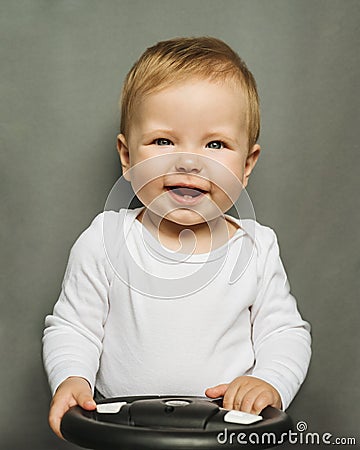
point(251, 160)
point(123, 151)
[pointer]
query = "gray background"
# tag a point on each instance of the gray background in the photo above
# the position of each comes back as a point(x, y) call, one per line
point(62, 65)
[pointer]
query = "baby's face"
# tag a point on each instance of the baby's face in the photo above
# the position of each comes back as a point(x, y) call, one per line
point(186, 153)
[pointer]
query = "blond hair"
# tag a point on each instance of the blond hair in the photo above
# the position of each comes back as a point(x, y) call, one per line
point(175, 60)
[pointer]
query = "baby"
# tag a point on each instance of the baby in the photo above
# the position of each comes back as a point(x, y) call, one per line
point(177, 296)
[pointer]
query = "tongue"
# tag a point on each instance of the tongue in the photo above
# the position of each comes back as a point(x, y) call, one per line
point(186, 191)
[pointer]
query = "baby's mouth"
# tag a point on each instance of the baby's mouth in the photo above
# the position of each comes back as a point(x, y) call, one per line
point(185, 193)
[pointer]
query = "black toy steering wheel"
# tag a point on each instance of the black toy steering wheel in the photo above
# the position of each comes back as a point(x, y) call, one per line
point(172, 423)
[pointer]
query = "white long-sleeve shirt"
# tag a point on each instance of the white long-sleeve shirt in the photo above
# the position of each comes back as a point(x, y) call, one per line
point(134, 318)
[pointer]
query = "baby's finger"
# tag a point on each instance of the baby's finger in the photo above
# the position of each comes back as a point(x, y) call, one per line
point(230, 395)
point(57, 410)
point(264, 399)
point(85, 400)
point(216, 391)
point(255, 400)
point(244, 397)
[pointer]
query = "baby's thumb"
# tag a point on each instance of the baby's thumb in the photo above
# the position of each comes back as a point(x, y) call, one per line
point(216, 391)
point(85, 400)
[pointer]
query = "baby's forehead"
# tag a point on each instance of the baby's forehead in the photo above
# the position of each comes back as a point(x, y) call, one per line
point(193, 109)
point(171, 90)
point(177, 83)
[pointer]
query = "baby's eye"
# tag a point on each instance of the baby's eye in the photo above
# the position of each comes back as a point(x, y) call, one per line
point(162, 141)
point(215, 145)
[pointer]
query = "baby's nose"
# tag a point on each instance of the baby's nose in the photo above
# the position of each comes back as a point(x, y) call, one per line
point(188, 162)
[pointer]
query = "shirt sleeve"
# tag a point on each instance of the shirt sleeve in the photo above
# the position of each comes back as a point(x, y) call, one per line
point(72, 340)
point(281, 338)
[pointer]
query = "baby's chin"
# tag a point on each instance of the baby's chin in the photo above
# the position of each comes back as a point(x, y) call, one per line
point(185, 218)
point(177, 220)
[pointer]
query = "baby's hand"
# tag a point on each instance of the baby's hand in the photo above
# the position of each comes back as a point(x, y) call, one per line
point(73, 391)
point(248, 394)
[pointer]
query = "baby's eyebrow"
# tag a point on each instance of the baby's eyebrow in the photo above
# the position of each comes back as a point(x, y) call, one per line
point(217, 135)
point(157, 132)
point(221, 136)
